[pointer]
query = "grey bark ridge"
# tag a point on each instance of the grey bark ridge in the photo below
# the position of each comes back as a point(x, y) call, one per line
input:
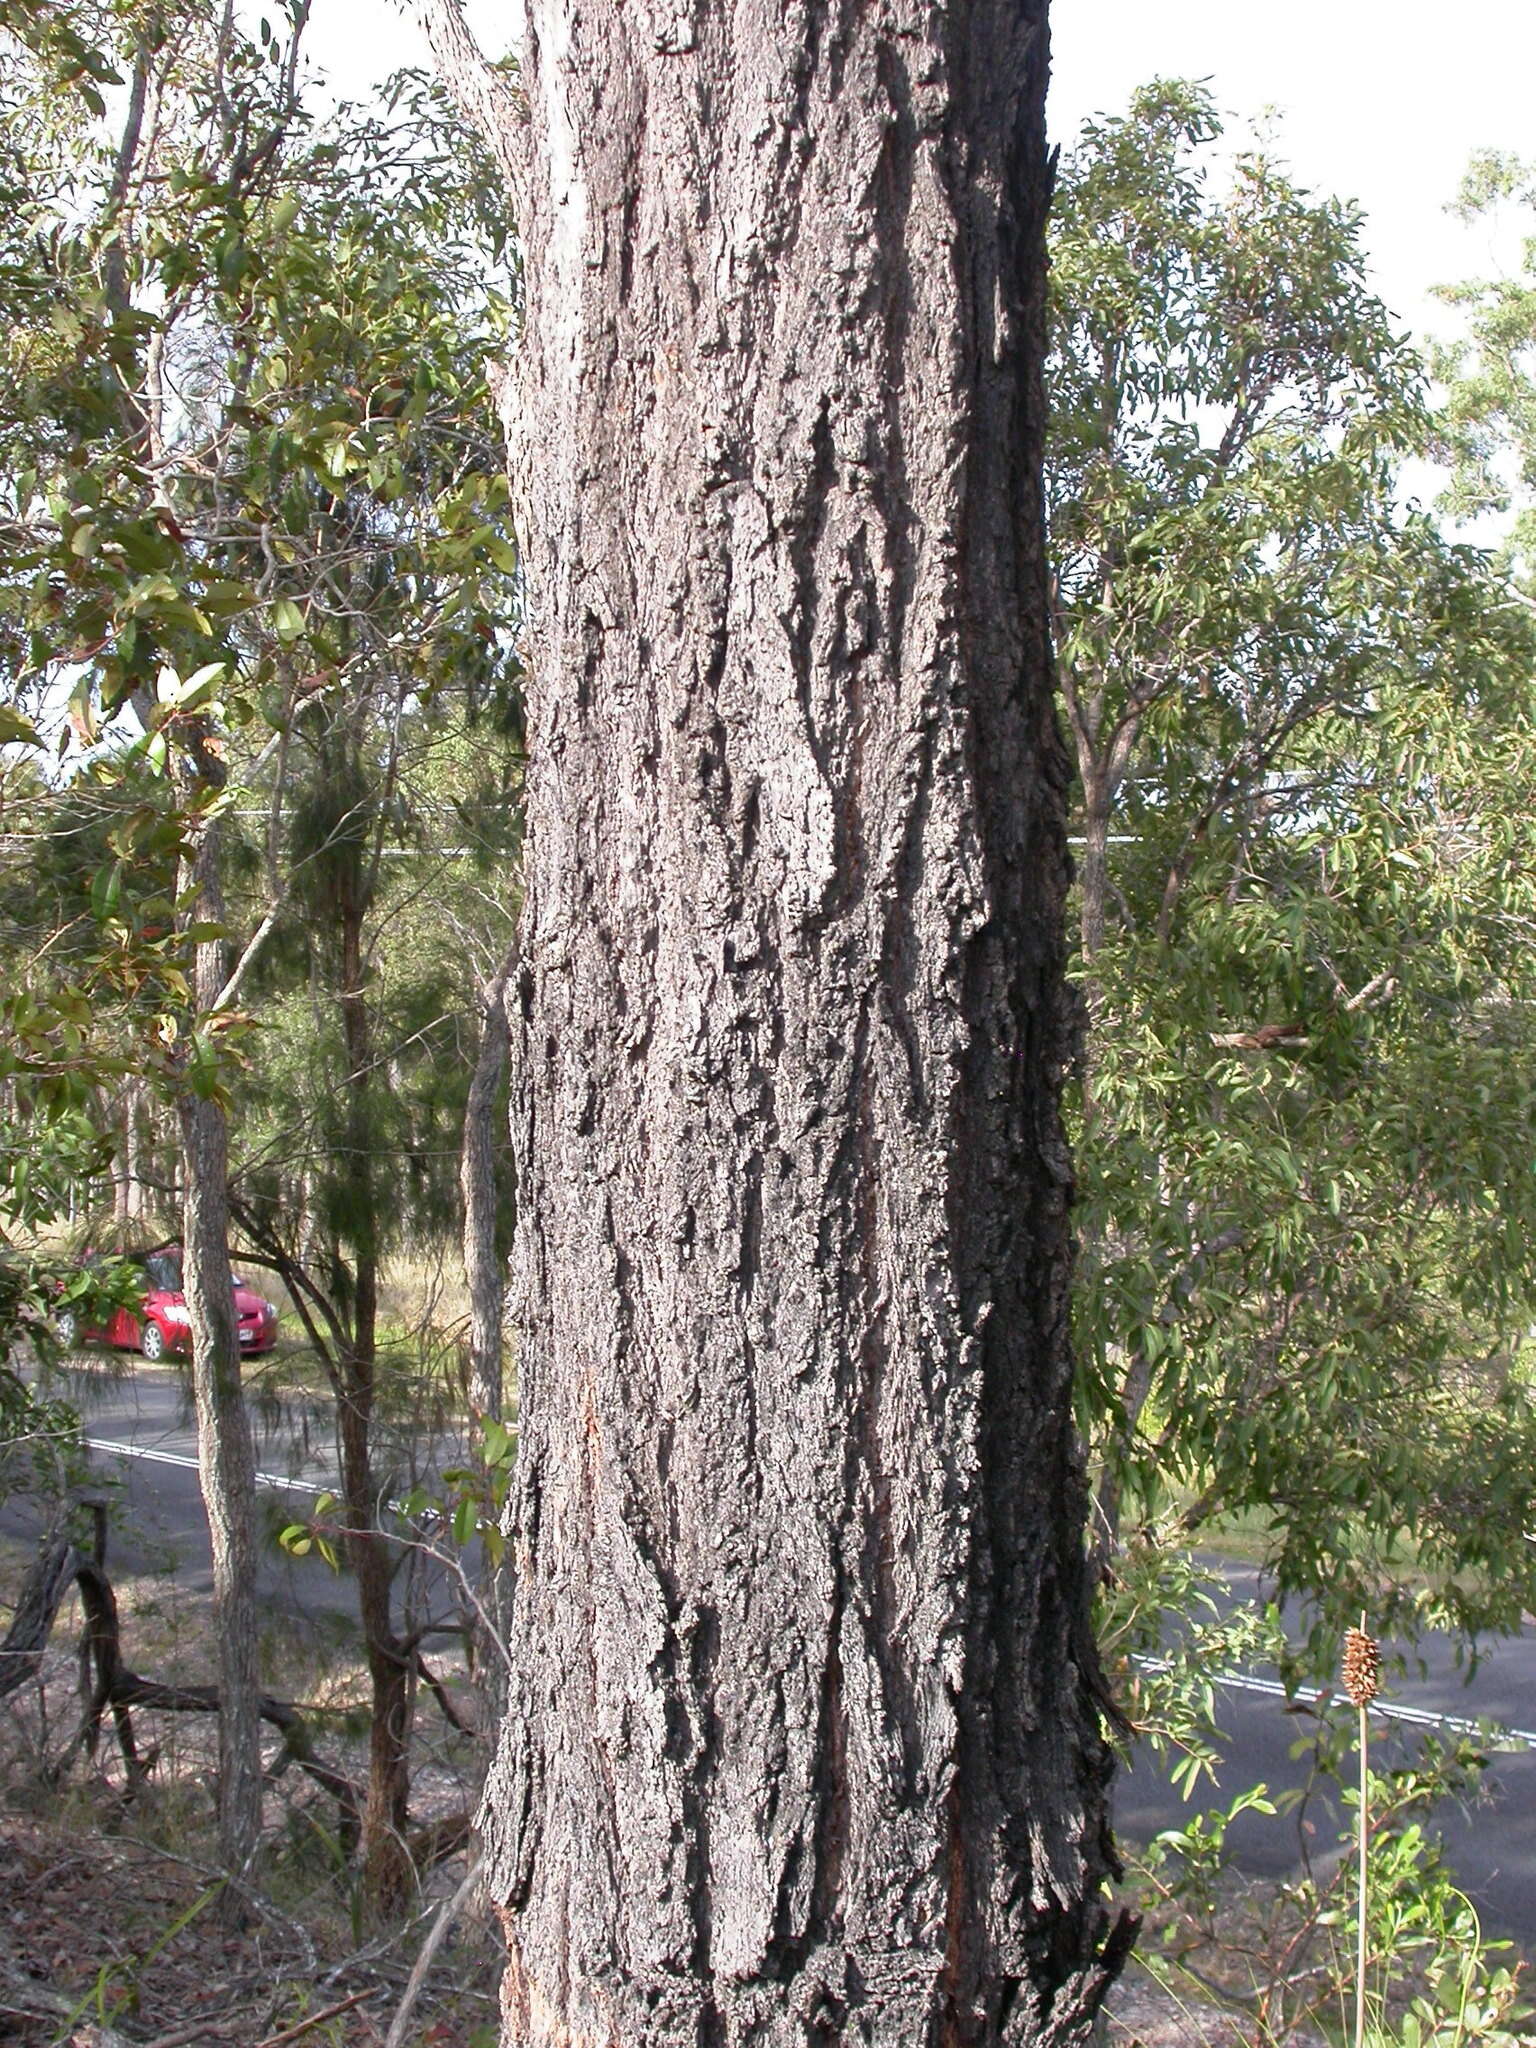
point(803, 1744)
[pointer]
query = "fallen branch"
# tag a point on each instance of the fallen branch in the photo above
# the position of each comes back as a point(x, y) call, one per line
point(436, 1840)
point(439, 1692)
point(110, 1684)
point(27, 1999)
point(42, 1592)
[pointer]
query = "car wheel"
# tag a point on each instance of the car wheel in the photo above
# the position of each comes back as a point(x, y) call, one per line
point(152, 1341)
point(66, 1327)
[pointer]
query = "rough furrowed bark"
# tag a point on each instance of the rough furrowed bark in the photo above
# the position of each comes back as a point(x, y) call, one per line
point(803, 1744)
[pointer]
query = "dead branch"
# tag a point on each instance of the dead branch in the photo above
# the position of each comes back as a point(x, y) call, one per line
point(439, 1692)
point(436, 1840)
point(21, 1654)
point(108, 1684)
point(1265, 1038)
point(450, 1911)
point(315, 2019)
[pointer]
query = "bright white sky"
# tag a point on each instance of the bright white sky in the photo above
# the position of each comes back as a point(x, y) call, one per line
point(1382, 101)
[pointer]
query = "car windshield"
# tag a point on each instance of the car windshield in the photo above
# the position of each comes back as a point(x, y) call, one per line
point(162, 1270)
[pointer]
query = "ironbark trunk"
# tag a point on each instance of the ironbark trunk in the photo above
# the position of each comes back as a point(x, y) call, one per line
point(804, 1742)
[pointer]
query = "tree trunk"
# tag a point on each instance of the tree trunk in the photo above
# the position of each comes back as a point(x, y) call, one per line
point(804, 1744)
point(125, 1161)
point(1093, 864)
point(133, 1162)
point(485, 1274)
point(225, 1452)
point(386, 1856)
point(484, 1268)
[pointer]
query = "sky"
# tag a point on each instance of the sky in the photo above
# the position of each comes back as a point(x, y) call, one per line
point(1379, 101)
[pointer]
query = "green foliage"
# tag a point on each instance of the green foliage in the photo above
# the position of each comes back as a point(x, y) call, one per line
point(300, 1538)
point(257, 592)
point(255, 534)
point(1489, 420)
point(43, 1293)
point(467, 1506)
point(50, 31)
point(1302, 726)
point(1283, 1954)
point(1166, 1679)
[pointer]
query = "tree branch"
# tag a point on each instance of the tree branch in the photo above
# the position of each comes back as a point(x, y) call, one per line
point(484, 95)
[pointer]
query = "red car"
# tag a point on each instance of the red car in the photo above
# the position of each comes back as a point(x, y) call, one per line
point(161, 1322)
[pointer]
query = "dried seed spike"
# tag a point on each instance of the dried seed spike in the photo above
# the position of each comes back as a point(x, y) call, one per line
point(1362, 1666)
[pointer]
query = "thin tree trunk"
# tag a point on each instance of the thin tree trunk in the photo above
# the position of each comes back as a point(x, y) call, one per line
point(485, 1272)
point(138, 1151)
point(484, 1265)
point(386, 1858)
point(804, 1743)
point(124, 1160)
point(1093, 862)
point(1093, 892)
point(133, 1152)
point(226, 1455)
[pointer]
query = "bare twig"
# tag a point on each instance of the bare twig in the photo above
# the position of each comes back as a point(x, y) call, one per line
point(316, 2019)
point(450, 1911)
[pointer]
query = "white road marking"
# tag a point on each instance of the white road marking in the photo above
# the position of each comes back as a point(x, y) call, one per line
point(1238, 1681)
point(274, 1479)
point(1311, 1696)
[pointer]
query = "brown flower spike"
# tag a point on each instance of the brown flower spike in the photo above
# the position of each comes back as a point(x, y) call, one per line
point(1362, 1666)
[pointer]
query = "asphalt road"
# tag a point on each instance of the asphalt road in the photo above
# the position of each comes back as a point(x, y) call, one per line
point(1491, 1848)
point(144, 1448)
point(143, 1444)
